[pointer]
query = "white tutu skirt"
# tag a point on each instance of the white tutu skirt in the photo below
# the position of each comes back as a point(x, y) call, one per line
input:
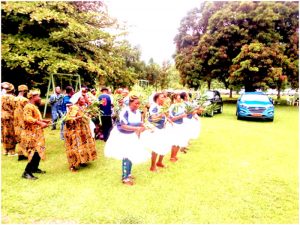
point(193, 127)
point(178, 133)
point(120, 145)
point(158, 141)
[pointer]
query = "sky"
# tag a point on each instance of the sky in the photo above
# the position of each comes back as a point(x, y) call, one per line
point(152, 24)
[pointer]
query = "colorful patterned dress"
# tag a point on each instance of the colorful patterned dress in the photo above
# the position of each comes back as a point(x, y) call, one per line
point(80, 145)
point(32, 137)
point(20, 103)
point(7, 123)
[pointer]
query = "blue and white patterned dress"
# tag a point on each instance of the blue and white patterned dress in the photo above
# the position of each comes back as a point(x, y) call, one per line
point(192, 123)
point(158, 141)
point(179, 127)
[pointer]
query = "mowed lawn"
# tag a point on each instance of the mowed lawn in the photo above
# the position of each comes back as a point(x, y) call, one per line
point(235, 172)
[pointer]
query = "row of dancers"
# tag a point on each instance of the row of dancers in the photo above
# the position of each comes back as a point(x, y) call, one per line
point(136, 140)
point(136, 137)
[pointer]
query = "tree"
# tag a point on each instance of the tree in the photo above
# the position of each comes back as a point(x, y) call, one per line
point(42, 38)
point(228, 29)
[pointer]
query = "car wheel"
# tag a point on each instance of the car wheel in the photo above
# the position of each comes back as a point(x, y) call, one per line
point(211, 114)
point(237, 115)
point(221, 109)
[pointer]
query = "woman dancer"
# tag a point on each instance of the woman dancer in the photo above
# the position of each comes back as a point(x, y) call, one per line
point(158, 117)
point(192, 121)
point(124, 142)
point(176, 113)
point(80, 145)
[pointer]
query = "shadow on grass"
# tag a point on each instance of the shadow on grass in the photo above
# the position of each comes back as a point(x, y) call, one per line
point(256, 119)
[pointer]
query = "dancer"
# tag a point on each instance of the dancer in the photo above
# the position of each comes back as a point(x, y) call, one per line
point(158, 117)
point(176, 113)
point(79, 143)
point(124, 143)
point(192, 121)
point(7, 119)
point(20, 101)
point(32, 137)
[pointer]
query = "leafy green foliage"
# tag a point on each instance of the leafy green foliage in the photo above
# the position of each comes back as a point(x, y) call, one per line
point(42, 38)
point(212, 44)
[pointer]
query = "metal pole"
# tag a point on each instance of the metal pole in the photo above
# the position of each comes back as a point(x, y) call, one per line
point(46, 103)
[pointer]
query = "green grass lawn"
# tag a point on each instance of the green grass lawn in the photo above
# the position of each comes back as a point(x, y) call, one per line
point(236, 172)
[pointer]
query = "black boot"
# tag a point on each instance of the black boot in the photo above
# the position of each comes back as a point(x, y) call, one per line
point(39, 171)
point(28, 176)
point(22, 157)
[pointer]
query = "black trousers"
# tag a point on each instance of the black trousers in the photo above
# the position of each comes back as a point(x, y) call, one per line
point(33, 165)
point(106, 126)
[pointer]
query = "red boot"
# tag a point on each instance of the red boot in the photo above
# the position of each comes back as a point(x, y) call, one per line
point(153, 162)
point(174, 151)
point(159, 162)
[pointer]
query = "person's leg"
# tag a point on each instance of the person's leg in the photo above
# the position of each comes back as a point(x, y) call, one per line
point(36, 161)
point(109, 125)
point(173, 157)
point(159, 162)
point(54, 118)
point(104, 127)
point(125, 168)
point(129, 170)
point(62, 131)
point(126, 171)
point(29, 170)
point(153, 162)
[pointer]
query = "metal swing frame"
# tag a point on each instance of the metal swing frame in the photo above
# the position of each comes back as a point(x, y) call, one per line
point(52, 82)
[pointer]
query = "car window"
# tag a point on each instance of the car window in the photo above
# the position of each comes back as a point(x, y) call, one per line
point(262, 98)
point(209, 94)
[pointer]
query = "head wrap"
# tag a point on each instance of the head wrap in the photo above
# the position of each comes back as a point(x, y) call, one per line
point(33, 93)
point(22, 87)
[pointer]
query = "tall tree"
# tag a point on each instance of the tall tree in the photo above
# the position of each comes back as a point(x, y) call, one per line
point(42, 38)
point(232, 26)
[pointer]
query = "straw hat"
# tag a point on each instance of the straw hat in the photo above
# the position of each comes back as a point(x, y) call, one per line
point(22, 87)
point(33, 93)
point(8, 86)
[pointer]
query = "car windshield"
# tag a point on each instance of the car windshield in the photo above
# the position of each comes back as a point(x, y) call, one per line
point(209, 94)
point(260, 98)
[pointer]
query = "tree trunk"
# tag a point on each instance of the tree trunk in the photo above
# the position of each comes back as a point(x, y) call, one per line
point(230, 93)
point(278, 93)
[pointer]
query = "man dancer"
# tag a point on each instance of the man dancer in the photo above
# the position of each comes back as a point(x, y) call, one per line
point(32, 137)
